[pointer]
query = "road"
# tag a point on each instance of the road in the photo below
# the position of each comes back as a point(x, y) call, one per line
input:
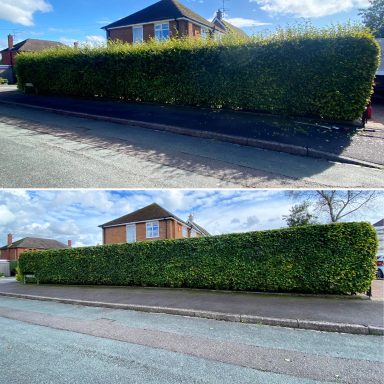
point(44, 150)
point(44, 342)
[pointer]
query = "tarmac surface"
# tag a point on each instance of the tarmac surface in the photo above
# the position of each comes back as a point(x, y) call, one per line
point(289, 134)
point(47, 342)
point(286, 309)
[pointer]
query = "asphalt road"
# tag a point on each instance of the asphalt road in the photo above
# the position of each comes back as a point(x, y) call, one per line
point(44, 342)
point(44, 150)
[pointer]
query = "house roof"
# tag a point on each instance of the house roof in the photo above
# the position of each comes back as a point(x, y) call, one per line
point(228, 27)
point(150, 212)
point(380, 70)
point(380, 223)
point(162, 10)
point(32, 45)
point(35, 243)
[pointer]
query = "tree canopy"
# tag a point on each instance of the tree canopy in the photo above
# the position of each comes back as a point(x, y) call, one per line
point(373, 17)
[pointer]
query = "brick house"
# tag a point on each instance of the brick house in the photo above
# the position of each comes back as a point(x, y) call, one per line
point(13, 250)
point(164, 19)
point(30, 45)
point(150, 223)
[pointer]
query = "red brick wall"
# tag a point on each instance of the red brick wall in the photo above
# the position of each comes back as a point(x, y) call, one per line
point(13, 253)
point(169, 229)
point(123, 34)
point(148, 31)
point(8, 58)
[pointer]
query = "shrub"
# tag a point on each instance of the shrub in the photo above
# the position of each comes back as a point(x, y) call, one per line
point(3, 81)
point(337, 258)
point(12, 267)
point(326, 73)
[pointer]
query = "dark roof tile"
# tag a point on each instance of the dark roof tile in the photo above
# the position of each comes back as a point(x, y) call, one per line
point(33, 45)
point(162, 10)
point(35, 243)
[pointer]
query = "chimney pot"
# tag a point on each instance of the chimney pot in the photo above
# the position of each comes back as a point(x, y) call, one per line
point(190, 218)
point(69, 243)
point(76, 44)
point(219, 14)
point(10, 41)
point(10, 239)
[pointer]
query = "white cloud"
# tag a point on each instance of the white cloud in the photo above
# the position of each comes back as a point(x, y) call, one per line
point(309, 8)
point(21, 11)
point(241, 22)
point(95, 40)
point(6, 216)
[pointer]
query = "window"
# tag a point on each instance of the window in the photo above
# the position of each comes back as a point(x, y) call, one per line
point(185, 232)
point(193, 233)
point(162, 31)
point(138, 36)
point(152, 230)
point(131, 233)
point(204, 32)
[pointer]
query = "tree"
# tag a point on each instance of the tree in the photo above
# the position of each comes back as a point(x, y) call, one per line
point(299, 215)
point(373, 17)
point(335, 204)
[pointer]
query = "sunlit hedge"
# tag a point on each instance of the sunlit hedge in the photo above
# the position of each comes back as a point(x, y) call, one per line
point(325, 73)
point(337, 258)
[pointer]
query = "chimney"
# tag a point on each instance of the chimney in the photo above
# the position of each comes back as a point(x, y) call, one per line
point(76, 44)
point(10, 239)
point(190, 218)
point(69, 243)
point(10, 41)
point(219, 15)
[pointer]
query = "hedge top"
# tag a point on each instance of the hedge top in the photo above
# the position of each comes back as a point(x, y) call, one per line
point(299, 71)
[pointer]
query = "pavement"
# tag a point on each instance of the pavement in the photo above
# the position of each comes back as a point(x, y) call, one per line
point(355, 314)
point(334, 141)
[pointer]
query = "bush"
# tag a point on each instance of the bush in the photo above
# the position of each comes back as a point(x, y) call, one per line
point(12, 267)
point(325, 73)
point(3, 81)
point(337, 258)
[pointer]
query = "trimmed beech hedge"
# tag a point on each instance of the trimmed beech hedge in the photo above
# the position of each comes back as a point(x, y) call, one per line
point(337, 258)
point(323, 73)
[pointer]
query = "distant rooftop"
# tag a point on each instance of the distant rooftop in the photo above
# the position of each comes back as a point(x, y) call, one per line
point(35, 243)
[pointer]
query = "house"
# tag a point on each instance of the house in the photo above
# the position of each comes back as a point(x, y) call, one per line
point(150, 223)
point(379, 226)
point(224, 25)
point(164, 19)
point(13, 250)
point(30, 45)
point(379, 80)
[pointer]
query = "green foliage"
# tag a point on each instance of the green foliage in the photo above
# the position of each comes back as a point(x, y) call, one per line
point(299, 215)
point(12, 267)
point(336, 258)
point(373, 17)
point(19, 274)
point(2, 274)
point(3, 80)
point(299, 71)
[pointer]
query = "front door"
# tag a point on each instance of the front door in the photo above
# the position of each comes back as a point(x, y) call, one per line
point(131, 233)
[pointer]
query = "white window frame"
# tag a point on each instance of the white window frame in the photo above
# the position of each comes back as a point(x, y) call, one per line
point(131, 226)
point(185, 232)
point(193, 233)
point(160, 28)
point(141, 37)
point(204, 32)
point(150, 232)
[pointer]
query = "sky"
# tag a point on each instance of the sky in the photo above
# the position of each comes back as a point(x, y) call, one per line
point(76, 214)
point(80, 20)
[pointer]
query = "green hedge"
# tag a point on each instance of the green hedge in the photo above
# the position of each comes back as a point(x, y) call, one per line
point(337, 258)
point(324, 73)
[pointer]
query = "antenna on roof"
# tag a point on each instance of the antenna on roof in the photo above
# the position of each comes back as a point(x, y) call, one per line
point(224, 9)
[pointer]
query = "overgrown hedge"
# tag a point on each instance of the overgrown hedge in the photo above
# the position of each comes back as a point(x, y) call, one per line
point(337, 258)
point(324, 73)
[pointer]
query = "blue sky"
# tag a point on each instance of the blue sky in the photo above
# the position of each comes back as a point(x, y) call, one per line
point(76, 215)
point(80, 20)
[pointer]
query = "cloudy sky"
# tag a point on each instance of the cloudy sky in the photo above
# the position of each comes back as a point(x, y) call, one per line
point(80, 20)
point(76, 215)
